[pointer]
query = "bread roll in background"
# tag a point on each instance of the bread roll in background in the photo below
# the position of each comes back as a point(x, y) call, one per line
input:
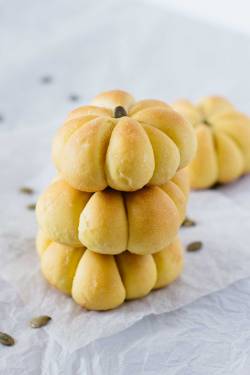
point(223, 139)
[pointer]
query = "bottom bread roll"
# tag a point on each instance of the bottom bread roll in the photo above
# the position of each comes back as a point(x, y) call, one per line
point(102, 282)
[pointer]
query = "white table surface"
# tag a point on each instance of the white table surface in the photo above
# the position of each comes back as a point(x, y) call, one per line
point(87, 47)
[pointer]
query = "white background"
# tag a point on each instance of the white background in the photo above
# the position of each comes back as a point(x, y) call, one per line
point(228, 13)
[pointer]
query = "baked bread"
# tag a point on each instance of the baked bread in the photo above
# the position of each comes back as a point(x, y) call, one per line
point(103, 282)
point(223, 141)
point(109, 221)
point(123, 144)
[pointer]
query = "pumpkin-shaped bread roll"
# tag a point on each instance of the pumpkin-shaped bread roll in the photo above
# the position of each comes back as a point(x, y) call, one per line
point(223, 141)
point(109, 221)
point(169, 263)
point(121, 143)
point(102, 282)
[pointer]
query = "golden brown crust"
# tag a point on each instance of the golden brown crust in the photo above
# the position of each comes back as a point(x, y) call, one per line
point(64, 134)
point(181, 179)
point(97, 283)
point(138, 273)
point(204, 168)
point(114, 98)
point(153, 220)
point(229, 158)
point(88, 110)
point(59, 264)
point(237, 126)
point(189, 111)
point(147, 103)
point(166, 156)
point(169, 263)
point(214, 105)
point(58, 212)
point(103, 223)
point(177, 196)
point(42, 242)
point(84, 155)
point(175, 127)
point(130, 159)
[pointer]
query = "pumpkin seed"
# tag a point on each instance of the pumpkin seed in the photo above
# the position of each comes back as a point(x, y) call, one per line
point(46, 79)
point(31, 206)
point(120, 112)
point(195, 246)
point(26, 190)
point(215, 186)
point(206, 122)
point(74, 97)
point(40, 321)
point(6, 339)
point(187, 223)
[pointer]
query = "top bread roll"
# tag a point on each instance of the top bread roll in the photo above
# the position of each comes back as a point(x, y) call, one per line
point(123, 144)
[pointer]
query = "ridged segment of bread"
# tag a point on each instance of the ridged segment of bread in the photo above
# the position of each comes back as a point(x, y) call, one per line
point(103, 282)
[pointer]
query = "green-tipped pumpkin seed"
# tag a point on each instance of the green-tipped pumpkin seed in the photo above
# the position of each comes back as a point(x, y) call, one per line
point(26, 190)
point(31, 206)
point(195, 246)
point(187, 223)
point(40, 321)
point(120, 112)
point(6, 339)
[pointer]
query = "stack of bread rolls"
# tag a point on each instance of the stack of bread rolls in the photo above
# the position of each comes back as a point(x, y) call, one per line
point(109, 222)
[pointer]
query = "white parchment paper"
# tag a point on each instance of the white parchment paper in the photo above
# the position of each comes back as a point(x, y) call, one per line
point(222, 225)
